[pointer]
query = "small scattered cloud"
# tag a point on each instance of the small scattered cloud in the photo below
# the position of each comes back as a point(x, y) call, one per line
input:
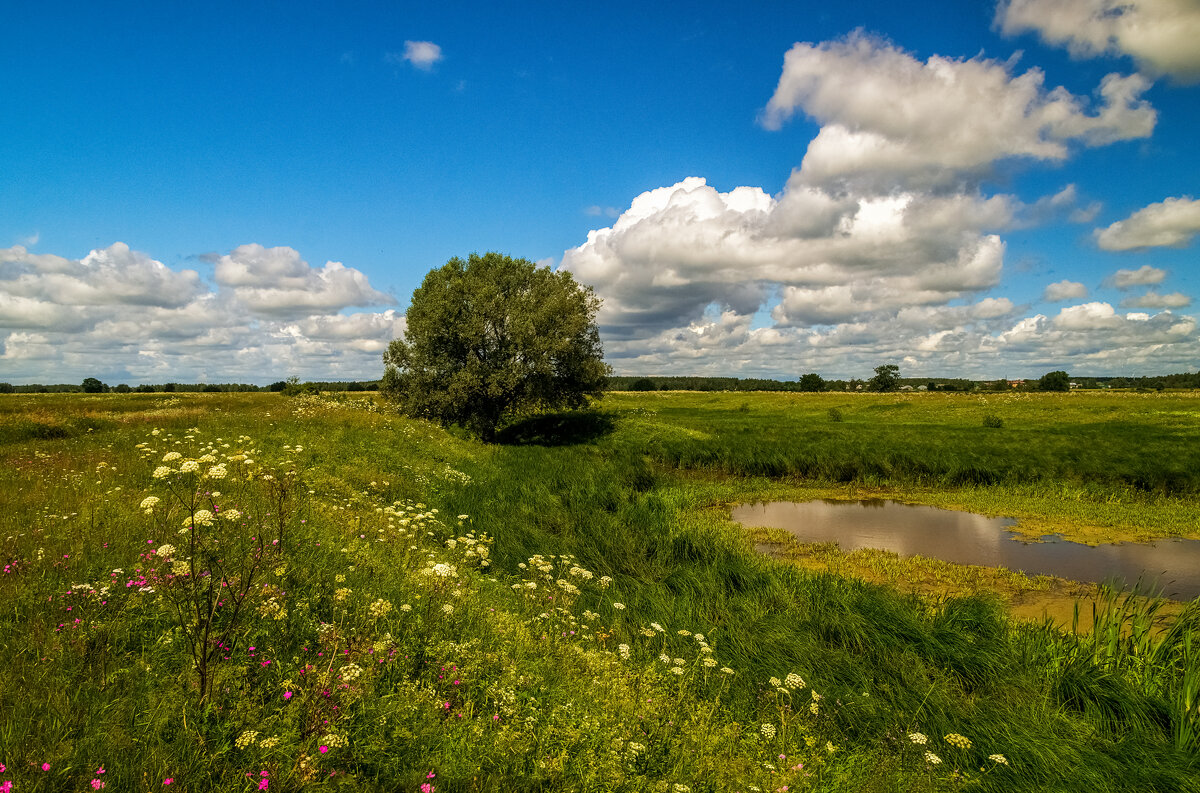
point(1161, 35)
point(1142, 276)
point(596, 211)
point(29, 240)
point(1064, 290)
point(420, 54)
point(1155, 300)
point(1171, 223)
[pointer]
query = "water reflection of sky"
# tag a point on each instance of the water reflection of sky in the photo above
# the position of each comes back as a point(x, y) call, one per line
point(967, 538)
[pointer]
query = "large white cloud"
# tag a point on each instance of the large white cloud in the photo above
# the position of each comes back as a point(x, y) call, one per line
point(883, 245)
point(1171, 223)
point(887, 117)
point(1161, 35)
point(268, 315)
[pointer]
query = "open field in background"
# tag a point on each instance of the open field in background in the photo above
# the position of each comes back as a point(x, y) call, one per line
point(388, 643)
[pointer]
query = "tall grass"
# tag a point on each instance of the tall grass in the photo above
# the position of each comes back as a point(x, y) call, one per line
point(400, 643)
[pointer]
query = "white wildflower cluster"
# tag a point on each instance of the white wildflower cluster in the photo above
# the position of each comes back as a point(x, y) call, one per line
point(231, 515)
point(932, 758)
point(342, 593)
point(918, 738)
point(181, 567)
point(334, 740)
point(767, 730)
point(998, 758)
point(164, 551)
point(148, 504)
point(623, 651)
point(247, 738)
point(379, 608)
point(793, 681)
point(272, 605)
point(441, 570)
point(351, 672)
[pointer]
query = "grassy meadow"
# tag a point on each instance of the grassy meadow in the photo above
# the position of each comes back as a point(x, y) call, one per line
point(239, 592)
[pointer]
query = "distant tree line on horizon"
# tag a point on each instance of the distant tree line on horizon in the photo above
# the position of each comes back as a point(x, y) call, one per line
point(805, 383)
point(815, 383)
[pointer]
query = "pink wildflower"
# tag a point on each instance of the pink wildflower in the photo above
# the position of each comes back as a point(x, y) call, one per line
point(168, 780)
point(323, 748)
point(45, 766)
point(287, 695)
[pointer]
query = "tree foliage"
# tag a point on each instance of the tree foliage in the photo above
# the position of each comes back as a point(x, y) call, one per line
point(92, 386)
point(493, 337)
point(812, 382)
point(1055, 381)
point(887, 378)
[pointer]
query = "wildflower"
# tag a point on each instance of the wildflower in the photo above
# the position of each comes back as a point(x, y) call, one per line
point(961, 741)
point(656, 627)
point(335, 740)
point(339, 578)
point(917, 738)
point(162, 472)
point(189, 467)
point(814, 708)
point(165, 550)
point(406, 608)
point(775, 682)
point(97, 784)
point(710, 662)
point(287, 695)
point(998, 758)
point(829, 747)
point(619, 606)
point(343, 593)
point(231, 515)
point(323, 749)
point(351, 671)
point(168, 780)
point(623, 651)
point(379, 608)
point(676, 670)
point(793, 681)
point(149, 502)
point(684, 632)
point(181, 567)
point(447, 609)
point(768, 731)
point(171, 457)
point(725, 670)
point(666, 659)
point(605, 581)
point(932, 758)
point(247, 738)
point(444, 570)
point(217, 472)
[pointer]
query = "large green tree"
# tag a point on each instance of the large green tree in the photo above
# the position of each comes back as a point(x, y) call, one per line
point(887, 378)
point(1055, 381)
point(493, 337)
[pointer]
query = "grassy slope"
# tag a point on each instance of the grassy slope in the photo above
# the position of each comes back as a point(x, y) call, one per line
point(114, 689)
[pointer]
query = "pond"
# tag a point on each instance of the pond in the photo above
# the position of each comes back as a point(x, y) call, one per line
point(967, 538)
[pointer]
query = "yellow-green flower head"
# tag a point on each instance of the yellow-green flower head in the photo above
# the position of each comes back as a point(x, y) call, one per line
point(165, 550)
point(149, 502)
point(171, 456)
point(189, 467)
point(162, 472)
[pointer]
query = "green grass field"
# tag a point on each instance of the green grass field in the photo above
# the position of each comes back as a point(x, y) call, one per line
point(329, 596)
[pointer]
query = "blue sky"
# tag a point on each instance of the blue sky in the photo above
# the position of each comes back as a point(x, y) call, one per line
point(226, 193)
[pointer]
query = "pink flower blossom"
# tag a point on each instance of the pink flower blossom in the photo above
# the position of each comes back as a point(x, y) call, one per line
point(287, 695)
point(45, 766)
point(323, 748)
point(168, 780)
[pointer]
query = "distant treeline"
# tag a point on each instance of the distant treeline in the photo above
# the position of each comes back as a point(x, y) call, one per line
point(816, 383)
point(93, 386)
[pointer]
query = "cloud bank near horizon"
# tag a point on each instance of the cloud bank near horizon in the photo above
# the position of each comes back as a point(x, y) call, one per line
point(121, 315)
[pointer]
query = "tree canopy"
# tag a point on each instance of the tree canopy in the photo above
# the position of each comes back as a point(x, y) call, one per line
point(887, 378)
point(812, 382)
point(1055, 381)
point(493, 337)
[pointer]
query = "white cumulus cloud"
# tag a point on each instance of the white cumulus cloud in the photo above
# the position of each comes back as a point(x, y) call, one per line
point(1142, 276)
point(421, 54)
point(123, 316)
point(1161, 35)
point(1170, 223)
point(888, 117)
point(1064, 290)
point(1155, 300)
